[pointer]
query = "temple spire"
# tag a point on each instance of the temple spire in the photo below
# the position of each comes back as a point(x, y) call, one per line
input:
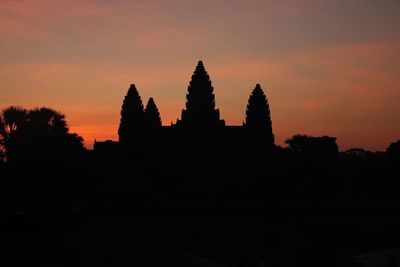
point(258, 115)
point(200, 109)
point(132, 116)
point(152, 115)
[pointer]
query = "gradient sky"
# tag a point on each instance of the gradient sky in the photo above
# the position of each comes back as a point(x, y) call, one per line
point(329, 67)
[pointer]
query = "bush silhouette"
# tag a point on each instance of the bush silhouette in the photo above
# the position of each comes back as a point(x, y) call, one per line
point(298, 143)
point(152, 115)
point(357, 153)
point(313, 146)
point(132, 116)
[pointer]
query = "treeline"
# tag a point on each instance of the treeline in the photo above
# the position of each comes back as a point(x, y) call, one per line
point(31, 134)
point(47, 167)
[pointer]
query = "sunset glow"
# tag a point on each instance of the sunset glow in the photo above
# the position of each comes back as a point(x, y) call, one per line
point(327, 67)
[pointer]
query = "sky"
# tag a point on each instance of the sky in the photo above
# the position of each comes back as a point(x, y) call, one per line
point(328, 67)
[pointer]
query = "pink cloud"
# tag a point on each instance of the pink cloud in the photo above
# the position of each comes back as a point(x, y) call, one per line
point(368, 71)
point(24, 17)
point(363, 61)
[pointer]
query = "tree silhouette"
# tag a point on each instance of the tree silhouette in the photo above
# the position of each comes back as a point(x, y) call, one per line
point(132, 115)
point(12, 121)
point(394, 150)
point(313, 146)
point(200, 105)
point(298, 142)
point(47, 128)
point(47, 120)
point(152, 115)
point(37, 131)
point(258, 115)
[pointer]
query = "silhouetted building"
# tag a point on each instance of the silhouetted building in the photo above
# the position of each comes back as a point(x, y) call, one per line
point(200, 109)
point(152, 115)
point(200, 125)
point(132, 116)
point(258, 118)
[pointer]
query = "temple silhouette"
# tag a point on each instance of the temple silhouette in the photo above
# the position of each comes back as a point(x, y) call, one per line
point(200, 121)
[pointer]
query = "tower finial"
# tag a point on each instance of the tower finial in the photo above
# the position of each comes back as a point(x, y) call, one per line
point(200, 65)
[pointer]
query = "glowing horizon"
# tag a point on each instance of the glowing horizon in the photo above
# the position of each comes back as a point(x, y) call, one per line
point(327, 67)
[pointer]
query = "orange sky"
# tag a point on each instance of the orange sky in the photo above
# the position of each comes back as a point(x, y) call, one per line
point(327, 67)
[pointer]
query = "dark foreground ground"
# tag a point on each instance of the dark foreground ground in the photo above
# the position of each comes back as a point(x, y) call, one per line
point(200, 240)
point(198, 210)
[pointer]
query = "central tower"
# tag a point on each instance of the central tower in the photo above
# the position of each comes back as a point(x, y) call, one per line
point(200, 109)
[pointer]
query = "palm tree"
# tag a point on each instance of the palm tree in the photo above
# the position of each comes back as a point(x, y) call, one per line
point(12, 121)
point(36, 131)
point(48, 128)
point(47, 120)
